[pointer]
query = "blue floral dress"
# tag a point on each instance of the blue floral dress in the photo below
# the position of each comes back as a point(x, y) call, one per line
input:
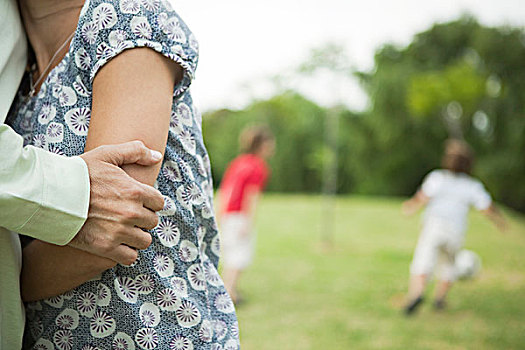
point(172, 297)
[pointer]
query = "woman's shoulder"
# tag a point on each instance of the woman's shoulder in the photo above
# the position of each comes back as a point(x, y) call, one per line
point(108, 13)
point(106, 28)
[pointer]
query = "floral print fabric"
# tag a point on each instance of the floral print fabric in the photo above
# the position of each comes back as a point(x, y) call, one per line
point(172, 297)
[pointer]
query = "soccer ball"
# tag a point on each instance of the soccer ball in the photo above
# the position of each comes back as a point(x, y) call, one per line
point(467, 264)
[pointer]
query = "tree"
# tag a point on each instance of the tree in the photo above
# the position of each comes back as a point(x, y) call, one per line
point(297, 124)
point(456, 79)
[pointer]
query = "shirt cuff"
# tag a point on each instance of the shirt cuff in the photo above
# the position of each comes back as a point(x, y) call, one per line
point(65, 200)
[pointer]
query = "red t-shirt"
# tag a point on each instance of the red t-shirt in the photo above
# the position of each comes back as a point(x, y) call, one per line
point(247, 170)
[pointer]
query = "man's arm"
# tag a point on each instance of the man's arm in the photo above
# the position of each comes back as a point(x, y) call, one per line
point(36, 197)
point(48, 197)
point(110, 201)
point(140, 110)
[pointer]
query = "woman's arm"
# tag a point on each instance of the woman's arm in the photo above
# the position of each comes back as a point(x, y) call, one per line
point(132, 100)
point(48, 269)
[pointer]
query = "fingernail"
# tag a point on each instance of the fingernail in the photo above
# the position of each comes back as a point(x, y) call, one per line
point(156, 155)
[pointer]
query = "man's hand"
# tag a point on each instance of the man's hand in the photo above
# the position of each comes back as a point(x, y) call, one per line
point(119, 206)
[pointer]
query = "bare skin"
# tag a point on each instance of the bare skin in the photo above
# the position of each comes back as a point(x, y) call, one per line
point(139, 110)
point(118, 208)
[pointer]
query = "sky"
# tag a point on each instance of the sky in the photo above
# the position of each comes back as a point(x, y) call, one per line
point(243, 44)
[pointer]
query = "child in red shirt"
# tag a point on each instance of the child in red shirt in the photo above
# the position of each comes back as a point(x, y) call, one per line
point(239, 191)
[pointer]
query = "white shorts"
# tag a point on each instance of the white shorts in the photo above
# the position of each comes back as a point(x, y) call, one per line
point(438, 244)
point(237, 244)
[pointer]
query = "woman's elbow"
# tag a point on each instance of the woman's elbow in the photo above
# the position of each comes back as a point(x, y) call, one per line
point(99, 265)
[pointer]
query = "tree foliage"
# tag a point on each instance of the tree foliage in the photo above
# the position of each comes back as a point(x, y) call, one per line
point(455, 79)
point(297, 125)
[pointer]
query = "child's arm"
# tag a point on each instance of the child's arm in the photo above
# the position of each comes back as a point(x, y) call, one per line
point(496, 217)
point(250, 206)
point(415, 203)
point(223, 198)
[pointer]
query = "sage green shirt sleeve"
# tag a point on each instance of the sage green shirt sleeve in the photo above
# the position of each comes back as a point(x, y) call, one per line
point(42, 195)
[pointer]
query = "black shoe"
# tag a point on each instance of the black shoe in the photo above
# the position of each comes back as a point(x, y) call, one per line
point(440, 304)
point(413, 305)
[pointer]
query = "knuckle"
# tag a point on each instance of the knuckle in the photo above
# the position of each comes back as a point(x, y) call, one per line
point(103, 148)
point(153, 221)
point(103, 246)
point(138, 145)
point(131, 257)
point(131, 214)
point(135, 192)
point(145, 240)
point(149, 240)
point(160, 201)
point(126, 228)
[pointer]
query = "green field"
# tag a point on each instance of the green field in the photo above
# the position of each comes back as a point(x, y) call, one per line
point(301, 294)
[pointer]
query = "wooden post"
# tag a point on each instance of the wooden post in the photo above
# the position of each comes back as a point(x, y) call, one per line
point(328, 219)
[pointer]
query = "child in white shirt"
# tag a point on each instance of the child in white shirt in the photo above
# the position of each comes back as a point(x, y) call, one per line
point(448, 194)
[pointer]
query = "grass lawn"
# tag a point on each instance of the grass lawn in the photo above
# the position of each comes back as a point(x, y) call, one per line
point(301, 294)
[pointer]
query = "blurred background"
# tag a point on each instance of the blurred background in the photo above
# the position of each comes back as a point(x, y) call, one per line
point(361, 97)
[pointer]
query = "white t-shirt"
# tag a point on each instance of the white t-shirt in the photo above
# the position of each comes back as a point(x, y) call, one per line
point(451, 196)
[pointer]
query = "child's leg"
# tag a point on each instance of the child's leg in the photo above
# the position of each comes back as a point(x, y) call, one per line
point(242, 258)
point(415, 293)
point(447, 275)
point(418, 282)
point(422, 266)
point(417, 286)
point(442, 289)
point(234, 252)
point(423, 262)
